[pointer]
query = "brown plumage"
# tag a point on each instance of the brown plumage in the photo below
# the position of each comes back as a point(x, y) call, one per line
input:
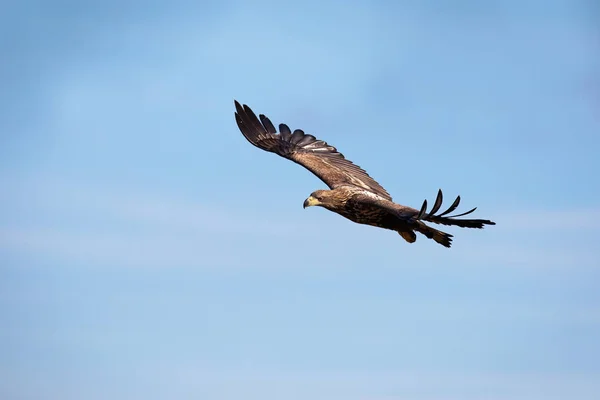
point(354, 194)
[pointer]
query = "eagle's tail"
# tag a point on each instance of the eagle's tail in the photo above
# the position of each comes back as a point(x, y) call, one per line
point(450, 220)
point(443, 238)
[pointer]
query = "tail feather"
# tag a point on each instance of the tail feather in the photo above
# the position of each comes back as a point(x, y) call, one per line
point(450, 220)
point(443, 238)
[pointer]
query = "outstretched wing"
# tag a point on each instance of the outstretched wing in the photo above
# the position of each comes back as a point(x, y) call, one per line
point(315, 155)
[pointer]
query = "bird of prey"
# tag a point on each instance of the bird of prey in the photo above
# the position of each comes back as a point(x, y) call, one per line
point(354, 194)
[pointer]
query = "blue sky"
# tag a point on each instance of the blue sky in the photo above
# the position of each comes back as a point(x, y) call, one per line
point(148, 251)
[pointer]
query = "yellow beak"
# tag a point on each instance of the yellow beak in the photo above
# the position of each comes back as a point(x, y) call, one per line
point(311, 201)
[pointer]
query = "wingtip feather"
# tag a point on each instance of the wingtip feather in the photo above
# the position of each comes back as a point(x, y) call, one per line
point(423, 209)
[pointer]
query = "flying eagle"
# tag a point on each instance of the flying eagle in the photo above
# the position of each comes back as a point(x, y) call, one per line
point(354, 194)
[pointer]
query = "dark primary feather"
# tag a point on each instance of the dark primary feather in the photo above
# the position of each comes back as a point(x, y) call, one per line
point(315, 155)
point(450, 220)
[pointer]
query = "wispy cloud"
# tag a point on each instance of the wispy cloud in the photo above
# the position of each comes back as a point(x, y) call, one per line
point(55, 195)
point(115, 225)
point(216, 381)
point(559, 219)
point(396, 385)
point(260, 382)
point(86, 222)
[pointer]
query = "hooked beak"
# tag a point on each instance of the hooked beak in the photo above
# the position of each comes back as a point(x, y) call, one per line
point(310, 201)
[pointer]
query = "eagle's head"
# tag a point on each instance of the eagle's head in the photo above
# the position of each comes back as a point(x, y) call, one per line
point(323, 198)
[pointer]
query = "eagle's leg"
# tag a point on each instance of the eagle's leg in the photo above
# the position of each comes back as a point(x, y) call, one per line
point(409, 236)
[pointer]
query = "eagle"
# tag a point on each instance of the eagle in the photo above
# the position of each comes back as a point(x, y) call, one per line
point(353, 193)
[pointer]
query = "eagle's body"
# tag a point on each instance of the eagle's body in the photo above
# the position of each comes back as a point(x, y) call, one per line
point(354, 194)
point(363, 207)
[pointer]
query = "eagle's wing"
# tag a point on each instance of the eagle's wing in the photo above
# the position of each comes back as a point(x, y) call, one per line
point(315, 155)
